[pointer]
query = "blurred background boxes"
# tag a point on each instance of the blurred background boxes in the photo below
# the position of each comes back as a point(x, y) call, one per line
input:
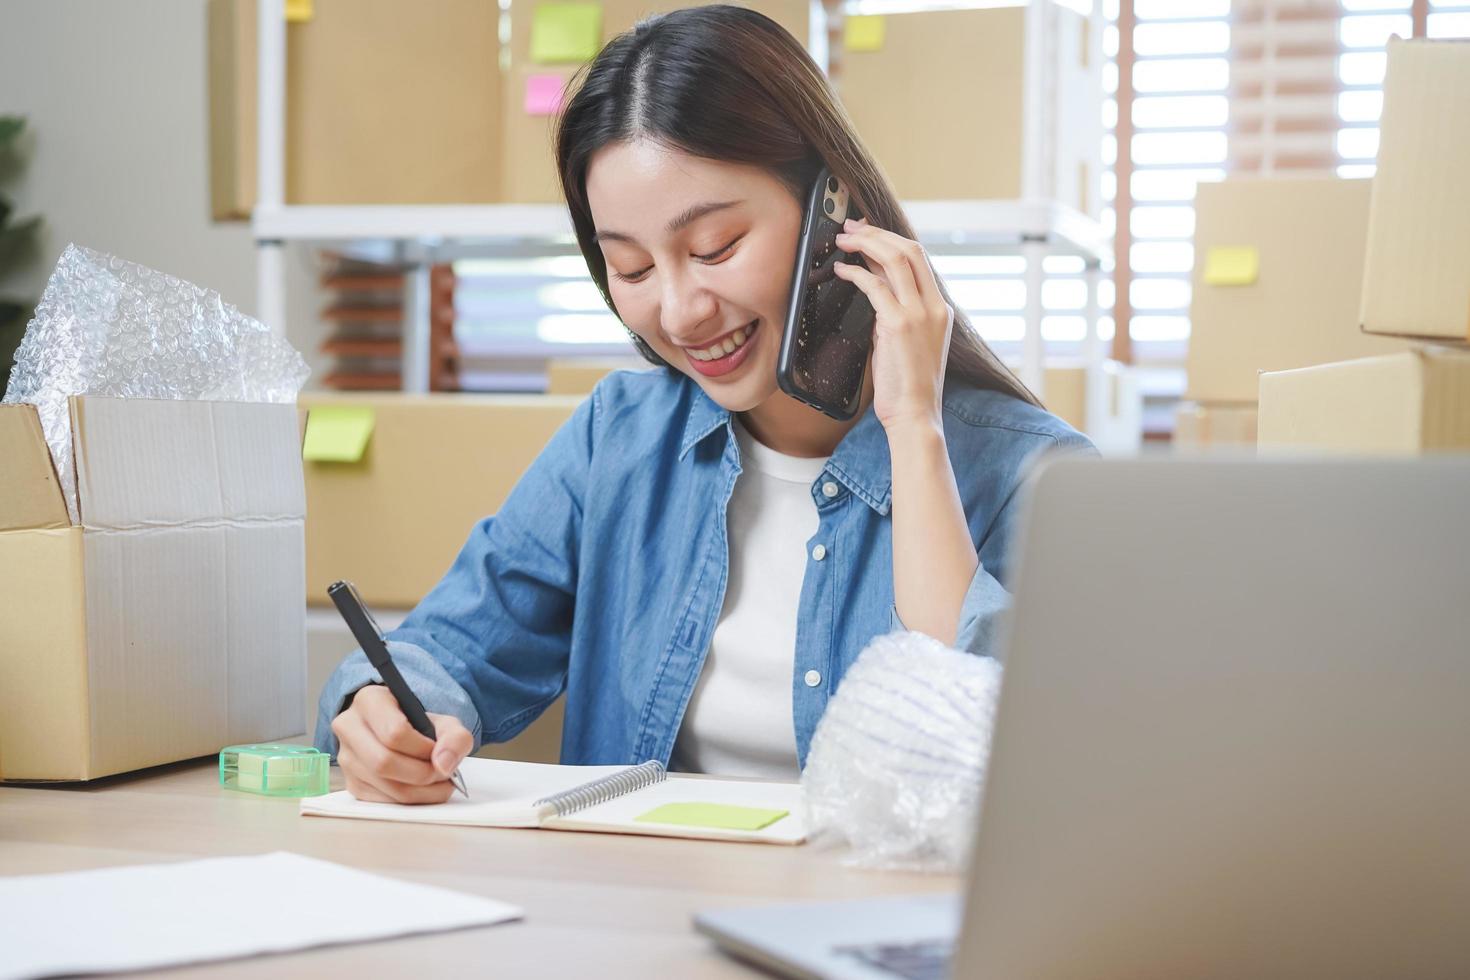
point(1417, 280)
point(998, 103)
point(386, 103)
point(1411, 402)
point(1216, 426)
point(428, 469)
point(1278, 265)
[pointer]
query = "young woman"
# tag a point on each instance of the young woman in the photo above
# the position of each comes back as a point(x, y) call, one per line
point(696, 558)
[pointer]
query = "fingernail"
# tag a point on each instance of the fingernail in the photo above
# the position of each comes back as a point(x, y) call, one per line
point(849, 223)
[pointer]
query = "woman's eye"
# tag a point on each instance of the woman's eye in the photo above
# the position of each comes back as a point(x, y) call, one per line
point(720, 252)
point(632, 276)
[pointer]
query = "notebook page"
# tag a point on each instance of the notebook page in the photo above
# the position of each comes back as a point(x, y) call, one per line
point(618, 816)
point(502, 794)
point(151, 916)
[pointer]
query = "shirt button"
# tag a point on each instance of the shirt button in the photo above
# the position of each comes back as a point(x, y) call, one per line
point(829, 490)
point(819, 552)
point(813, 678)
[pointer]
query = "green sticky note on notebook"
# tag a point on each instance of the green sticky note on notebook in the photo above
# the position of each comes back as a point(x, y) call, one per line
point(563, 33)
point(337, 433)
point(1232, 265)
point(721, 816)
point(863, 33)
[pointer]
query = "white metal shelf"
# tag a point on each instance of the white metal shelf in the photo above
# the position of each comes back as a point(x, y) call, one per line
point(979, 225)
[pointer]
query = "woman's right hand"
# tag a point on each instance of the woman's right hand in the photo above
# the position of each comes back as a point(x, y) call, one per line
point(386, 761)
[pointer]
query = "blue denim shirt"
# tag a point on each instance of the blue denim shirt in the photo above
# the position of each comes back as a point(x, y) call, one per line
point(603, 575)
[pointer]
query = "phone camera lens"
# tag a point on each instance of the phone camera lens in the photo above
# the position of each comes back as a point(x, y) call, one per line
point(832, 184)
point(830, 205)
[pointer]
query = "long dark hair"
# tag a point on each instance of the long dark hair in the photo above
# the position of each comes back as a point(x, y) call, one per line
point(726, 83)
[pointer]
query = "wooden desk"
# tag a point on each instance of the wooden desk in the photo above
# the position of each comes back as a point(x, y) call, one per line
point(596, 904)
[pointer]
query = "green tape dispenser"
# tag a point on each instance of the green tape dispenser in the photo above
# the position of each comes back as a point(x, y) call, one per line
point(275, 770)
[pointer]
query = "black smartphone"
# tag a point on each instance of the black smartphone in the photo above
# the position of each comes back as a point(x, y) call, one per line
point(829, 323)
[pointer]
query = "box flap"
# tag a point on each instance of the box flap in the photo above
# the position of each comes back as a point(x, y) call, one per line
point(30, 495)
point(1446, 399)
point(44, 722)
point(1414, 281)
point(150, 463)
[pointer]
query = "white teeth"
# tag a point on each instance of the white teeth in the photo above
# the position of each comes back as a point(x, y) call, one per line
point(726, 347)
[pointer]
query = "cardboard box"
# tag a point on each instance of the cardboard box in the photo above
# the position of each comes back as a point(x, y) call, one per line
point(1417, 279)
point(386, 103)
point(528, 161)
point(1308, 237)
point(169, 622)
point(999, 103)
point(1413, 402)
point(393, 521)
point(1199, 426)
point(571, 376)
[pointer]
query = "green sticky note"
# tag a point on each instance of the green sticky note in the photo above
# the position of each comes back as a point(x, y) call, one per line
point(566, 33)
point(337, 433)
point(863, 33)
point(1232, 265)
point(722, 816)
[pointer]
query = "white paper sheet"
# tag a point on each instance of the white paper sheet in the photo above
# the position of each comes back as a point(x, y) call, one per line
point(140, 917)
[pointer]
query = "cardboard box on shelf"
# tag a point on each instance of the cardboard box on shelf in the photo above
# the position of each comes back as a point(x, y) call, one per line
point(1416, 282)
point(999, 103)
point(385, 104)
point(527, 135)
point(393, 497)
point(170, 621)
point(1277, 268)
point(572, 376)
point(1198, 426)
point(1411, 402)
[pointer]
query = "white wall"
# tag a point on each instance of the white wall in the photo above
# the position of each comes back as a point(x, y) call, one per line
point(117, 96)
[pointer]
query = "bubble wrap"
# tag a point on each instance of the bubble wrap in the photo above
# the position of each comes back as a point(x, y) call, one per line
point(109, 327)
point(898, 759)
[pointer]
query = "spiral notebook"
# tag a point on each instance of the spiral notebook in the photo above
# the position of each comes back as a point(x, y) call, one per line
point(642, 799)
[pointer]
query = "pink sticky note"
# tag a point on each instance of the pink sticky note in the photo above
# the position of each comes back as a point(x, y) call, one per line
point(543, 95)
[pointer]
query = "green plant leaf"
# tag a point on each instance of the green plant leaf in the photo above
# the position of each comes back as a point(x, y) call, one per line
point(10, 128)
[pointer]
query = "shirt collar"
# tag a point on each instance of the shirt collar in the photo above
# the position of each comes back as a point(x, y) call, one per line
point(861, 461)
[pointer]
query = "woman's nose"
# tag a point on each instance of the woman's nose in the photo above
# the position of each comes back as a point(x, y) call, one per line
point(686, 306)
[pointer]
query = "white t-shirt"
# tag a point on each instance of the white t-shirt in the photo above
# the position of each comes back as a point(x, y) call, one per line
point(739, 719)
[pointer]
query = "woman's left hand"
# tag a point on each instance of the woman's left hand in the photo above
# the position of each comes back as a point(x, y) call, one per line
point(911, 335)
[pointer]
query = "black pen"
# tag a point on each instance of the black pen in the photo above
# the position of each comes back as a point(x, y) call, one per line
point(370, 638)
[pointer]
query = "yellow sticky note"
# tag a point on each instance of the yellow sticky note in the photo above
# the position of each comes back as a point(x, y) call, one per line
point(566, 32)
point(864, 33)
point(299, 11)
point(721, 816)
point(337, 433)
point(1232, 265)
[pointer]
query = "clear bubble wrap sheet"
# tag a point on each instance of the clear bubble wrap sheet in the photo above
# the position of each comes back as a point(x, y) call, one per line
point(896, 763)
point(109, 327)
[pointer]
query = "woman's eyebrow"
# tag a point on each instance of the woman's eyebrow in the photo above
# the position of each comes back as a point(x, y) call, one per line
point(685, 219)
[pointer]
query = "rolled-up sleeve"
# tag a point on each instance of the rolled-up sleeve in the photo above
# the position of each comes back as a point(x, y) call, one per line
point(490, 643)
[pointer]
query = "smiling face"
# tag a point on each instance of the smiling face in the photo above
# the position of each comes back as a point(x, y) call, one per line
point(699, 255)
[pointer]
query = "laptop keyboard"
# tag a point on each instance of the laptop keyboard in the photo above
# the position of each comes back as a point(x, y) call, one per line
point(925, 960)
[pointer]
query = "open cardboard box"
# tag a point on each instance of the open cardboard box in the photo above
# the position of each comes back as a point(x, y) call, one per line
point(170, 620)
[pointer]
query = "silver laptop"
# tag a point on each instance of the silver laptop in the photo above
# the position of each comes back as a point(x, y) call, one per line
point(1233, 740)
